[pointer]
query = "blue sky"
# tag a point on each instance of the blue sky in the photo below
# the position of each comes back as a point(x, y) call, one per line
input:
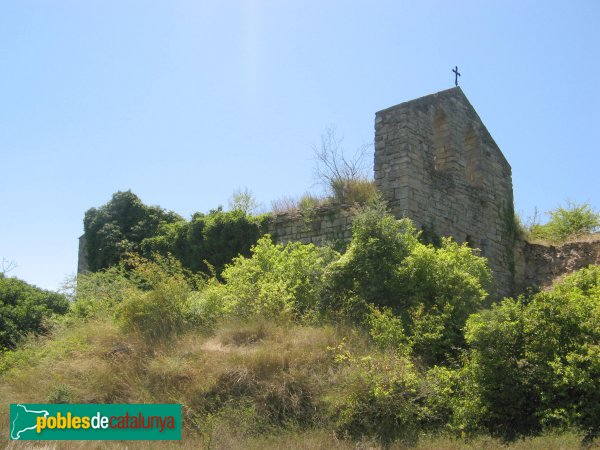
point(184, 101)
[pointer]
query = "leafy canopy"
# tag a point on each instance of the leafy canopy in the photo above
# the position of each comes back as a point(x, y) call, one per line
point(26, 309)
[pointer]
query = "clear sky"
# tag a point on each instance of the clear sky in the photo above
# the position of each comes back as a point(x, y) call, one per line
point(184, 101)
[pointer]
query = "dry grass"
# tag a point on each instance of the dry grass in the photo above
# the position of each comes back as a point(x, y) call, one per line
point(256, 376)
point(590, 237)
point(227, 438)
point(297, 205)
point(255, 385)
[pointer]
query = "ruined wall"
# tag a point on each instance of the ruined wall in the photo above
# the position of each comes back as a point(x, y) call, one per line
point(539, 265)
point(436, 163)
point(320, 225)
point(82, 260)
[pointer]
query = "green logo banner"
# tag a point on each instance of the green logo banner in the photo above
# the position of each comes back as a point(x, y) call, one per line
point(95, 422)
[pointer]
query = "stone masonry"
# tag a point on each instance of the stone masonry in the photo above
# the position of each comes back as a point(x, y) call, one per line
point(538, 266)
point(436, 163)
point(326, 224)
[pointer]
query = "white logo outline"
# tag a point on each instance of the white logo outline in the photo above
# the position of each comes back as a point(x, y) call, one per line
point(46, 414)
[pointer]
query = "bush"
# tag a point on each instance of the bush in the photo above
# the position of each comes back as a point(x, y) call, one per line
point(380, 400)
point(26, 309)
point(100, 292)
point(159, 308)
point(387, 330)
point(431, 290)
point(207, 242)
point(440, 288)
point(566, 223)
point(535, 363)
point(353, 191)
point(277, 280)
point(367, 272)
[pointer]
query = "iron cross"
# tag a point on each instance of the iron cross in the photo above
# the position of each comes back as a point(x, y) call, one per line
point(456, 75)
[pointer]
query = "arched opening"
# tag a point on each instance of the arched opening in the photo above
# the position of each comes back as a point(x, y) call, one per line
point(441, 141)
point(473, 159)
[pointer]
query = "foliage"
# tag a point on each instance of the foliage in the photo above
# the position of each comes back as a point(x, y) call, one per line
point(387, 330)
point(431, 290)
point(440, 288)
point(158, 308)
point(303, 205)
point(535, 363)
point(26, 309)
point(367, 272)
point(98, 293)
point(380, 400)
point(119, 227)
point(207, 242)
point(567, 222)
point(275, 281)
point(243, 201)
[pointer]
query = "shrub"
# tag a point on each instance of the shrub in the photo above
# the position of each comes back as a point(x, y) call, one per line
point(568, 222)
point(440, 288)
point(159, 308)
point(207, 242)
point(535, 363)
point(302, 205)
point(387, 330)
point(380, 400)
point(26, 309)
point(431, 290)
point(353, 191)
point(277, 280)
point(367, 272)
point(100, 292)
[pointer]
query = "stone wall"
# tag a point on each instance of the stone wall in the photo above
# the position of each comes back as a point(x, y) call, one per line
point(436, 163)
point(82, 260)
point(539, 265)
point(318, 226)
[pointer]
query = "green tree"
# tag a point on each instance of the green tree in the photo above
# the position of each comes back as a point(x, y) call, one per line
point(243, 201)
point(119, 227)
point(431, 290)
point(26, 309)
point(441, 287)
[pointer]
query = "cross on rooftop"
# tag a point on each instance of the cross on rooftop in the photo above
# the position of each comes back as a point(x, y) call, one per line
point(456, 75)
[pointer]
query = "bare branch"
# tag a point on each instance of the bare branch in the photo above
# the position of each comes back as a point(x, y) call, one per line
point(7, 266)
point(333, 169)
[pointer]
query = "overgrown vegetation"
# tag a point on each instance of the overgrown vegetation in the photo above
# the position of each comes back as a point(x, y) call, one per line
point(344, 178)
point(566, 223)
point(388, 344)
point(203, 244)
point(26, 309)
point(119, 227)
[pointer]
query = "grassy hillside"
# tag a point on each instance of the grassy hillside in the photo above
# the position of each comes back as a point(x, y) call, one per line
point(391, 344)
point(245, 385)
